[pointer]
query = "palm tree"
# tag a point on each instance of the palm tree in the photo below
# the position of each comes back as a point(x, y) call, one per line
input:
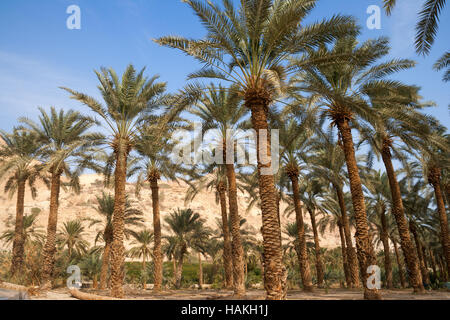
point(142, 249)
point(154, 146)
point(332, 219)
point(105, 208)
point(18, 163)
point(128, 102)
point(248, 46)
point(221, 109)
point(185, 225)
point(71, 235)
point(294, 144)
point(379, 203)
point(91, 266)
point(341, 89)
point(31, 233)
point(66, 145)
point(199, 244)
point(327, 162)
point(217, 180)
point(396, 119)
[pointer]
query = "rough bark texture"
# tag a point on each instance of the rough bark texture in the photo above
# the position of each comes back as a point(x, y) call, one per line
point(302, 252)
point(399, 265)
point(387, 256)
point(351, 253)
point(423, 269)
point(105, 265)
point(157, 251)
point(348, 278)
point(117, 246)
point(365, 252)
point(435, 179)
point(88, 296)
point(258, 101)
point(319, 263)
point(411, 259)
point(200, 271)
point(48, 254)
point(227, 255)
point(236, 243)
point(19, 237)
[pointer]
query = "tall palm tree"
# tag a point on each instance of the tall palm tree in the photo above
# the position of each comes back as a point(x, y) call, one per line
point(379, 200)
point(217, 180)
point(66, 150)
point(221, 109)
point(248, 46)
point(341, 89)
point(294, 145)
point(19, 165)
point(396, 121)
point(105, 208)
point(153, 146)
point(184, 225)
point(141, 248)
point(71, 235)
point(128, 101)
point(327, 162)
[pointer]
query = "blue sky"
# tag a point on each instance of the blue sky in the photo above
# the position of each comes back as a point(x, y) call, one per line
point(38, 53)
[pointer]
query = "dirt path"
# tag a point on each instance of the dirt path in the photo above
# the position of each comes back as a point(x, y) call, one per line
point(318, 294)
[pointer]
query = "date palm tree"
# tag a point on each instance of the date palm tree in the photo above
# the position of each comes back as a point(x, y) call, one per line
point(105, 208)
point(327, 162)
point(397, 120)
point(31, 232)
point(185, 226)
point(141, 248)
point(129, 101)
point(154, 147)
point(249, 46)
point(221, 110)
point(379, 203)
point(19, 165)
point(342, 90)
point(66, 150)
point(217, 181)
point(71, 236)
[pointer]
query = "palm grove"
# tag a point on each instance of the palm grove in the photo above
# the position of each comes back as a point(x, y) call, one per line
point(330, 96)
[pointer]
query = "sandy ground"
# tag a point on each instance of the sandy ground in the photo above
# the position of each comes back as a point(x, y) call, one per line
point(318, 294)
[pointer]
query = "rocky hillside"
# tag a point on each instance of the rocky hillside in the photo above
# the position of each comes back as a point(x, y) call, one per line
point(172, 194)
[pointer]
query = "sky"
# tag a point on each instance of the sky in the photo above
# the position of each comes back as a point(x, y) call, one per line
point(39, 54)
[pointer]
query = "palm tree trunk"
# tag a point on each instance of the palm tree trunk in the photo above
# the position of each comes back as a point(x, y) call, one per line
point(387, 256)
point(348, 278)
point(200, 271)
point(365, 252)
point(178, 273)
point(144, 277)
point(399, 265)
point(433, 263)
point(105, 266)
point(302, 253)
point(236, 243)
point(157, 251)
point(435, 180)
point(411, 259)
point(48, 253)
point(117, 246)
point(319, 264)
point(351, 253)
point(19, 241)
point(227, 253)
point(174, 266)
point(423, 269)
point(258, 104)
